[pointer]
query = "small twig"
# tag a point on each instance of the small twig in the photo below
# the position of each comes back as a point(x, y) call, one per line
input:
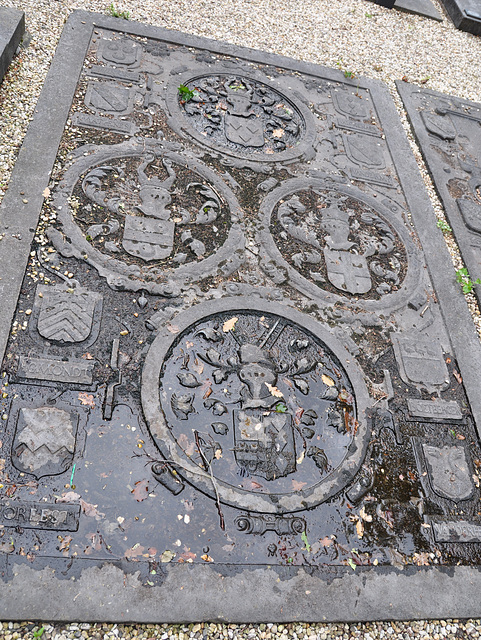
point(214, 484)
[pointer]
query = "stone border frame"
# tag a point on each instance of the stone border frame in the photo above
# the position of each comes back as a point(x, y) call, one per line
point(192, 592)
point(326, 488)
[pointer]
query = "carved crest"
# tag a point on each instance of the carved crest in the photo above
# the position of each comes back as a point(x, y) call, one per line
point(66, 316)
point(421, 361)
point(364, 150)
point(336, 239)
point(350, 104)
point(242, 114)
point(440, 126)
point(449, 472)
point(107, 97)
point(44, 442)
point(123, 51)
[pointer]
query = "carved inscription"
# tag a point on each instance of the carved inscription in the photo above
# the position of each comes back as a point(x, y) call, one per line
point(115, 74)
point(40, 515)
point(456, 531)
point(441, 409)
point(373, 177)
point(100, 122)
point(74, 371)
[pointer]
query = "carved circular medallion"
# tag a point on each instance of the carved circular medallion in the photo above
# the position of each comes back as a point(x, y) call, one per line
point(335, 241)
point(264, 407)
point(241, 116)
point(144, 216)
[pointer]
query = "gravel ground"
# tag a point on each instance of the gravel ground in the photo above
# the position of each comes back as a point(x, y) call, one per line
point(352, 35)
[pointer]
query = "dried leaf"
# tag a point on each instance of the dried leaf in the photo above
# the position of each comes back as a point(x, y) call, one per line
point(167, 556)
point(359, 528)
point(70, 496)
point(229, 324)
point(6, 547)
point(351, 563)
point(327, 380)
point(198, 367)
point(173, 328)
point(207, 558)
point(186, 444)
point(46, 192)
point(86, 399)
point(458, 376)
point(187, 556)
point(364, 515)
point(274, 391)
point(136, 550)
point(297, 486)
point(91, 510)
point(396, 558)
point(421, 559)
point(326, 542)
point(10, 490)
point(141, 490)
point(218, 454)
point(278, 133)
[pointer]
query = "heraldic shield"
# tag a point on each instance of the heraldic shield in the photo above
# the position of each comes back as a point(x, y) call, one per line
point(247, 131)
point(449, 471)
point(148, 238)
point(264, 444)
point(44, 442)
point(66, 316)
point(347, 271)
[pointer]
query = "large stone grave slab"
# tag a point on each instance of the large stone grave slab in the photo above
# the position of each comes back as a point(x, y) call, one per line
point(449, 134)
point(240, 381)
point(12, 28)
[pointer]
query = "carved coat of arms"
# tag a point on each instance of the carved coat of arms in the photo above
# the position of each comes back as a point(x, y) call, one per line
point(66, 315)
point(449, 471)
point(356, 251)
point(44, 442)
point(149, 234)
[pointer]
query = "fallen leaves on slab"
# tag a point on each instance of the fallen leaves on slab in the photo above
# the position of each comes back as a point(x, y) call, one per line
point(70, 496)
point(141, 490)
point(135, 551)
point(167, 556)
point(229, 324)
point(274, 391)
point(327, 380)
point(86, 399)
point(91, 510)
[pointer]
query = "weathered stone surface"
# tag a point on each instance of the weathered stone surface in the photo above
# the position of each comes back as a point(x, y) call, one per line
point(238, 357)
point(12, 28)
point(449, 134)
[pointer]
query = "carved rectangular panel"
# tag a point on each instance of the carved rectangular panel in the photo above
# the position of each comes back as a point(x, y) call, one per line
point(232, 356)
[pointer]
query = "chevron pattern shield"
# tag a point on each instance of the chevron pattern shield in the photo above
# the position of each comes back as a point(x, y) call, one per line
point(66, 315)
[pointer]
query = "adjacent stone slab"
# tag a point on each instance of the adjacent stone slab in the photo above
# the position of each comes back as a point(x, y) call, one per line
point(12, 28)
point(448, 131)
point(419, 7)
point(466, 14)
point(233, 353)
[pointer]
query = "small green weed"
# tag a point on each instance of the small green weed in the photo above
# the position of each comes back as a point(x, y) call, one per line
point(115, 13)
point(464, 279)
point(444, 226)
point(39, 632)
point(349, 74)
point(368, 15)
point(305, 541)
point(185, 93)
point(281, 407)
